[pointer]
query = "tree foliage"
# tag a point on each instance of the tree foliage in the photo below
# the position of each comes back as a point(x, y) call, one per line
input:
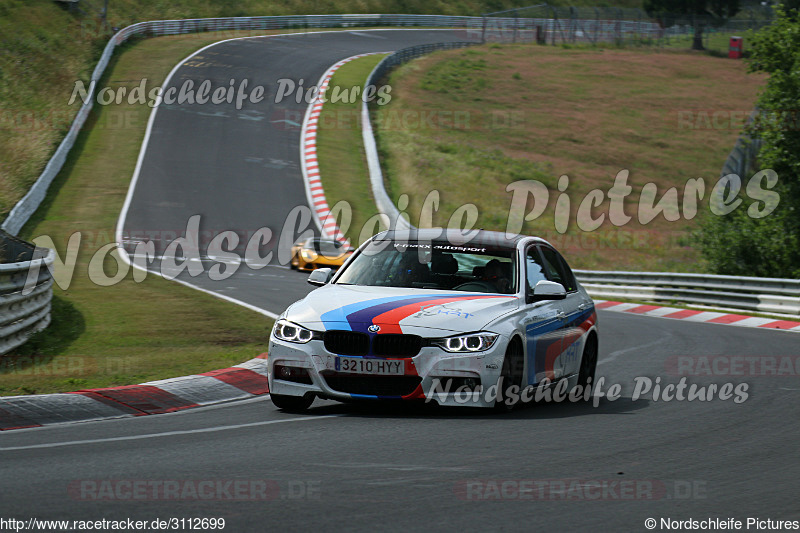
point(737, 244)
point(700, 12)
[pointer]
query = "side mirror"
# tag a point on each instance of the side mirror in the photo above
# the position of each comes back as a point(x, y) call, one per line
point(320, 276)
point(547, 290)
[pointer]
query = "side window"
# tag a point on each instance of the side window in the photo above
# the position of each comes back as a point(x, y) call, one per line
point(557, 269)
point(534, 271)
point(569, 277)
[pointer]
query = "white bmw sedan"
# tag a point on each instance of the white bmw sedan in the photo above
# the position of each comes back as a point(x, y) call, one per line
point(430, 316)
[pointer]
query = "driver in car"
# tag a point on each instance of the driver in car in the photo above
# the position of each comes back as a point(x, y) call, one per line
point(495, 273)
point(410, 271)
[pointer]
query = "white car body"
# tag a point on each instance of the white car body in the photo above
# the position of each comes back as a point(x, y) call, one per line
point(553, 334)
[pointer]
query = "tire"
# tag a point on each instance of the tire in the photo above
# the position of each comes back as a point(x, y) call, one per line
point(511, 374)
point(588, 362)
point(292, 404)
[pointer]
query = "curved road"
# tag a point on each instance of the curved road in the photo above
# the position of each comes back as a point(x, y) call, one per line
point(362, 467)
point(238, 166)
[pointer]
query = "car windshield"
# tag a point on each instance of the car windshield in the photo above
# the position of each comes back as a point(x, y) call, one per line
point(329, 248)
point(433, 266)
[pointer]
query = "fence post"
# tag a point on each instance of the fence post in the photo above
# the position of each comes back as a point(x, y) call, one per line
point(596, 22)
point(516, 20)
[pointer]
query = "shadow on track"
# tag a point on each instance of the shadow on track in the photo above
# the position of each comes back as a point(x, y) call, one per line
point(532, 411)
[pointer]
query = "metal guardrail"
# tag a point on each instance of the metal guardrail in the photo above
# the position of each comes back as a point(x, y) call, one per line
point(767, 295)
point(24, 310)
point(385, 204)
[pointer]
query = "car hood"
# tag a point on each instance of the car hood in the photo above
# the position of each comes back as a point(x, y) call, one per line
point(398, 310)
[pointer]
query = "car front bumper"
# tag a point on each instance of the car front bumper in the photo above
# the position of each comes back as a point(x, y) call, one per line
point(433, 375)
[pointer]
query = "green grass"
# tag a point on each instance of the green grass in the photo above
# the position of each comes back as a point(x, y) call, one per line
point(39, 59)
point(130, 332)
point(340, 148)
point(505, 113)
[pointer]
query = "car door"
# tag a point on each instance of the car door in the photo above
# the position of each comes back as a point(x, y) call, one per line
point(571, 310)
point(543, 323)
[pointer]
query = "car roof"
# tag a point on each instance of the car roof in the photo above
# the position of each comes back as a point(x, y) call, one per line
point(494, 239)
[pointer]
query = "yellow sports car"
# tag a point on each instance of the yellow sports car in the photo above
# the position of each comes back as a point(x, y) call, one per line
point(311, 253)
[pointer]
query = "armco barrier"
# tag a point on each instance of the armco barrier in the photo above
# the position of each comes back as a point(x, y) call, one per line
point(23, 309)
point(385, 204)
point(767, 295)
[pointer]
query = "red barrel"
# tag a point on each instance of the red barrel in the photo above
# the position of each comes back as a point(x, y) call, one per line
point(736, 48)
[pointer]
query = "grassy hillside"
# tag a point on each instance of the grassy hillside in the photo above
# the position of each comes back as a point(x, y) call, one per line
point(41, 56)
point(526, 112)
point(470, 122)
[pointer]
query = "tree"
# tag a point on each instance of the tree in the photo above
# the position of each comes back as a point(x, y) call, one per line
point(738, 244)
point(700, 11)
point(792, 9)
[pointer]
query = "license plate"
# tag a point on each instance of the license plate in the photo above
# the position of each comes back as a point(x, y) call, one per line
point(378, 367)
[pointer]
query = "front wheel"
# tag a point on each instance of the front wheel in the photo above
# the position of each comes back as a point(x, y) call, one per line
point(293, 404)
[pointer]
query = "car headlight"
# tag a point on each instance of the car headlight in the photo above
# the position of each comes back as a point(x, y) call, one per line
point(290, 332)
point(308, 255)
point(470, 343)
